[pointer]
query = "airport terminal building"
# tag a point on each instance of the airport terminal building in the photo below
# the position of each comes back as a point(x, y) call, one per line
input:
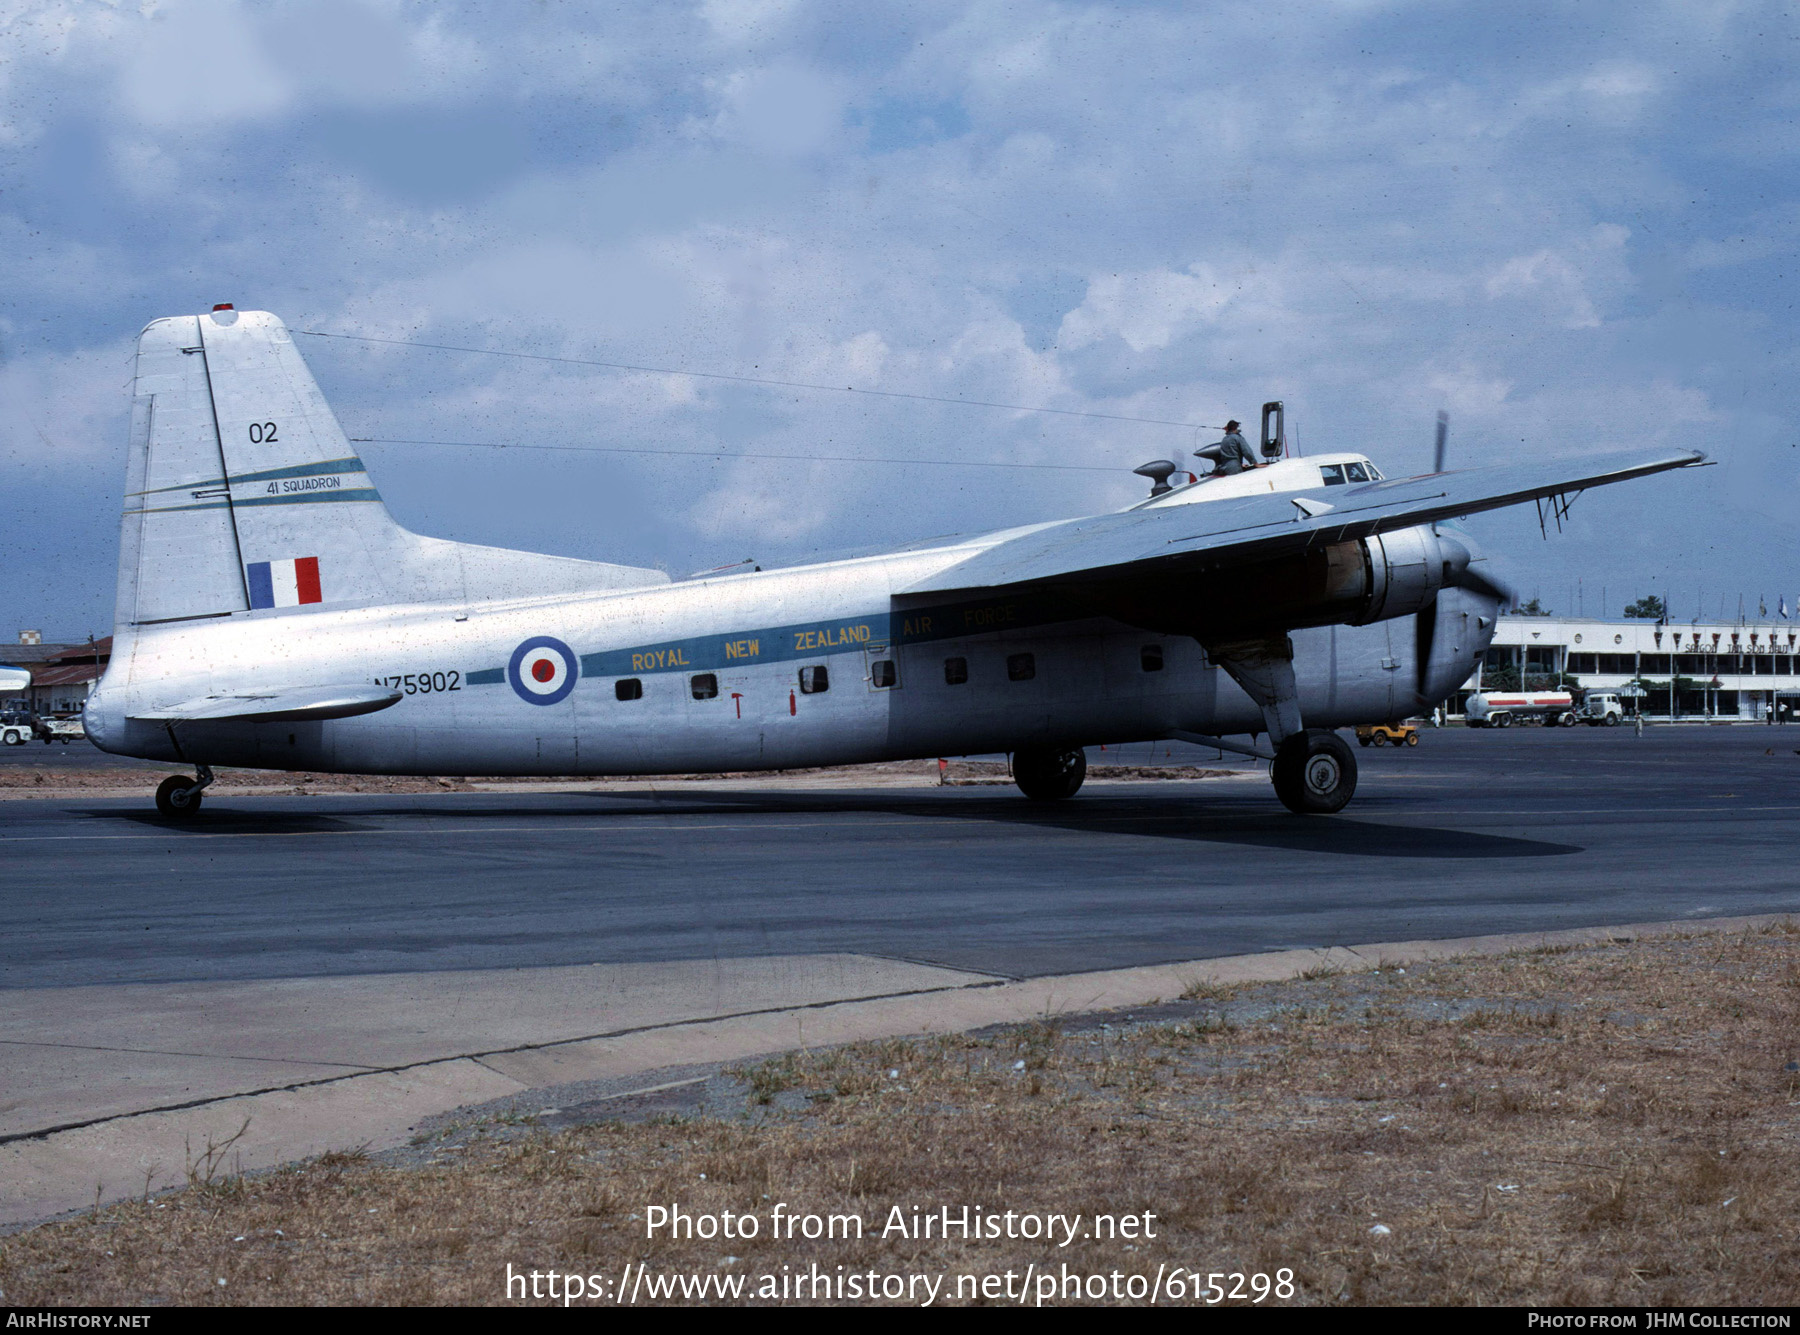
point(1689, 670)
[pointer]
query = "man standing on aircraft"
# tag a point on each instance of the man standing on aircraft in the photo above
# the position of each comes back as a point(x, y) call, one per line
point(1233, 453)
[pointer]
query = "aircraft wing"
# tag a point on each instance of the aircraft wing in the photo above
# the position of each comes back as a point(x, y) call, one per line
point(288, 705)
point(1177, 538)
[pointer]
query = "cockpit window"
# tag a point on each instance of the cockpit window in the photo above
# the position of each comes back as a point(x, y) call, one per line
point(1333, 474)
point(1357, 472)
point(1374, 473)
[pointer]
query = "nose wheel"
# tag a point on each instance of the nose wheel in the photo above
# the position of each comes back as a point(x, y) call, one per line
point(178, 797)
point(1314, 772)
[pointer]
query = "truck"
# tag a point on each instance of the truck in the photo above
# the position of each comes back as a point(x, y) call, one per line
point(1502, 709)
point(1601, 709)
point(64, 728)
point(17, 726)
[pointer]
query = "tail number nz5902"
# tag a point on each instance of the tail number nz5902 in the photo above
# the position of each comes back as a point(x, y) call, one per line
point(422, 683)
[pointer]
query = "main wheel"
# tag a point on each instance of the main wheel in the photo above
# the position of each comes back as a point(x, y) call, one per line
point(1314, 772)
point(178, 798)
point(1044, 775)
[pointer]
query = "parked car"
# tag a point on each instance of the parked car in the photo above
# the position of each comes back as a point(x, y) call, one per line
point(1393, 734)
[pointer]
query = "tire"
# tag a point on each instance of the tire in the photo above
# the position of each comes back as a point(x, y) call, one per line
point(1044, 775)
point(1502, 721)
point(1379, 739)
point(13, 738)
point(1364, 741)
point(1314, 773)
point(178, 798)
point(1612, 720)
point(1412, 739)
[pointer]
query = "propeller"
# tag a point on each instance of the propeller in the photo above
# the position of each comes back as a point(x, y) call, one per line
point(1458, 573)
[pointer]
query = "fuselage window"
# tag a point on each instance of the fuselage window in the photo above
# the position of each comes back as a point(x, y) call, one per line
point(1021, 667)
point(1333, 474)
point(956, 671)
point(1151, 657)
point(630, 688)
point(705, 686)
point(882, 674)
point(1357, 472)
point(814, 680)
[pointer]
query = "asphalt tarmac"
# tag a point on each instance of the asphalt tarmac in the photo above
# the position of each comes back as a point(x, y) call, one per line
point(1468, 833)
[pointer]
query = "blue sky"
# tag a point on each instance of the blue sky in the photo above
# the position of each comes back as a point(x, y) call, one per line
point(1571, 227)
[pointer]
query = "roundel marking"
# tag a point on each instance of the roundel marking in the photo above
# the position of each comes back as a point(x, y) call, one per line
point(543, 671)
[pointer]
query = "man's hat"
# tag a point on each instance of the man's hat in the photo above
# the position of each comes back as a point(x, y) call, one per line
point(1233, 425)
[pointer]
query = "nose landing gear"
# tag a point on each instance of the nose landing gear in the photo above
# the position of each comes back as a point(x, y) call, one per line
point(178, 797)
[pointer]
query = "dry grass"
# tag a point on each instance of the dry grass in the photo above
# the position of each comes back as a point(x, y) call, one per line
point(1609, 1125)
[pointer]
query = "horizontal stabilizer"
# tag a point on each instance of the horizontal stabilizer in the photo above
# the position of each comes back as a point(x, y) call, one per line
point(290, 705)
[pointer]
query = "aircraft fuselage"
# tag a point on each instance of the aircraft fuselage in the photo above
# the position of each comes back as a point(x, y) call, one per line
point(718, 666)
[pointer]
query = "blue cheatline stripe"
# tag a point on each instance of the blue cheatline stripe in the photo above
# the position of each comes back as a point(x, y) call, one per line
point(815, 639)
point(241, 502)
point(262, 587)
point(349, 465)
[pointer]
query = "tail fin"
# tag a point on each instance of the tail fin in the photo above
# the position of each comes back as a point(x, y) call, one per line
point(243, 495)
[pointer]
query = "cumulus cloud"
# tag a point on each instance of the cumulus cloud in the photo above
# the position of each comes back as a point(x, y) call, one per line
point(1368, 211)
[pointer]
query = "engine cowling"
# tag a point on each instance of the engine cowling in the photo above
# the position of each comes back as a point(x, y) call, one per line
point(1347, 583)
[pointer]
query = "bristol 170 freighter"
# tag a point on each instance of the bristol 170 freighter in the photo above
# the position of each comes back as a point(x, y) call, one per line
point(272, 614)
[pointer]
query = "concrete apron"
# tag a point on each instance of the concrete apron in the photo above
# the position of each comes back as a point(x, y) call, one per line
point(106, 1092)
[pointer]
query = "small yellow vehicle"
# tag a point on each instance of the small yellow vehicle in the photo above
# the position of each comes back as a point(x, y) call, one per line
point(1393, 734)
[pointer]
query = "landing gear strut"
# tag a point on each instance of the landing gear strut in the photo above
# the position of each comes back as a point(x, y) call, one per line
point(1314, 769)
point(1314, 772)
point(178, 797)
point(1044, 775)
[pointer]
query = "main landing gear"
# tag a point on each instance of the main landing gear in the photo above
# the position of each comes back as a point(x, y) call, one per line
point(1314, 769)
point(178, 797)
point(1314, 772)
point(1045, 775)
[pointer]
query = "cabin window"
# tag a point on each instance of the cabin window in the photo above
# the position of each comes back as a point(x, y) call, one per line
point(1333, 474)
point(1150, 657)
point(629, 688)
point(1357, 472)
point(814, 680)
point(882, 674)
point(1021, 667)
point(956, 671)
point(705, 686)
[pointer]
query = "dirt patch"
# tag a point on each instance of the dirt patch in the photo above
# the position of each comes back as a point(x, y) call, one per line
point(1604, 1125)
point(20, 781)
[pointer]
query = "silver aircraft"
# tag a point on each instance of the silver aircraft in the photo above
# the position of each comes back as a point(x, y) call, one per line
point(271, 614)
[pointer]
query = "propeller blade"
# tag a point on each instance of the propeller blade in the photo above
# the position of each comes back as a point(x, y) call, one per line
point(1443, 431)
point(1424, 633)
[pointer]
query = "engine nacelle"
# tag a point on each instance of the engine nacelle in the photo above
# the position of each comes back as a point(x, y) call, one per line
point(1347, 583)
point(1406, 569)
